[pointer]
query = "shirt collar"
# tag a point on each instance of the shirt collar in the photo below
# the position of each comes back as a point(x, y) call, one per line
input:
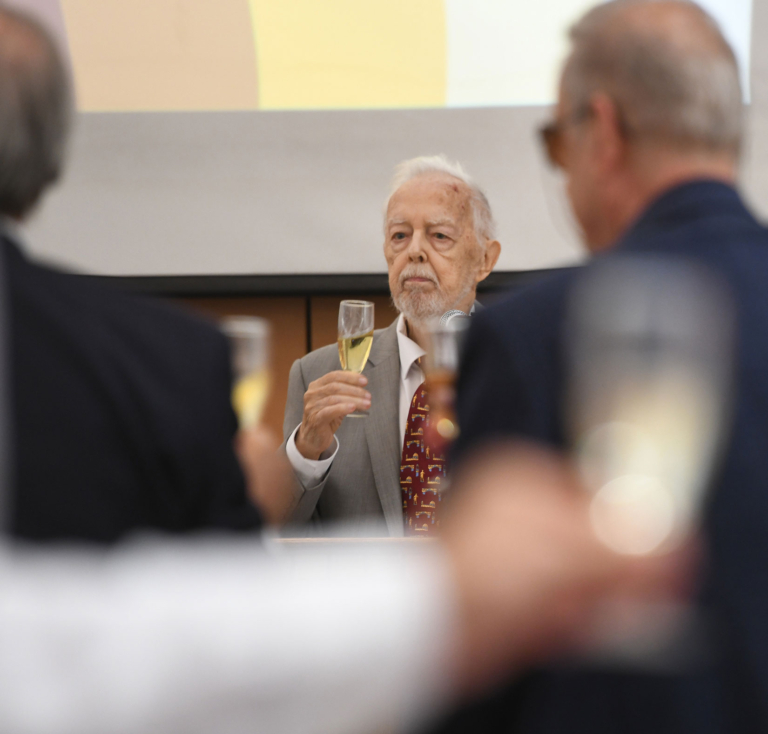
point(409, 350)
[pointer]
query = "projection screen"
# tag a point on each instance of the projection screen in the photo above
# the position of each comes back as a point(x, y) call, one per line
point(228, 137)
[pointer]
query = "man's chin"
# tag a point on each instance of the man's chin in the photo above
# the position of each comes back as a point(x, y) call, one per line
point(419, 310)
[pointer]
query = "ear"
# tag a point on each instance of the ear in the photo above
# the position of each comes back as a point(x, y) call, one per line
point(609, 138)
point(490, 258)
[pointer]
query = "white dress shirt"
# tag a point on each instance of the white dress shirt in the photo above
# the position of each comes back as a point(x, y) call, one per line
point(201, 638)
point(310, 473)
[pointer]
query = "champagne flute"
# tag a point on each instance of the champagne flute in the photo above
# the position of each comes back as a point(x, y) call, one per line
point(650, 358)
point(355, 338)
point(249, 342)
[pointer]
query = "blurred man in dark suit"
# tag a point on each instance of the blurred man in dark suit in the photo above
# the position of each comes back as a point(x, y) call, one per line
point(647, 131)
point(120, 408)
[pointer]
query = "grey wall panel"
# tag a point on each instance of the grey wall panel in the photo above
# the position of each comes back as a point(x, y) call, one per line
point(755, 155)
point(283, 192)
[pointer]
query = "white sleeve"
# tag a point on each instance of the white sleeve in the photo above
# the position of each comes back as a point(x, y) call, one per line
point(309, 472)
point(203, 638)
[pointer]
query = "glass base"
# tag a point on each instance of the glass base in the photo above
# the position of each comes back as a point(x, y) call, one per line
point(358, 414)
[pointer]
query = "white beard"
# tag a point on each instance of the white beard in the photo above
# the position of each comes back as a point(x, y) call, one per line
point(420, 307)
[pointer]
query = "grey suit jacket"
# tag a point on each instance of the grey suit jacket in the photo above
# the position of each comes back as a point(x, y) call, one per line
point(363, 483)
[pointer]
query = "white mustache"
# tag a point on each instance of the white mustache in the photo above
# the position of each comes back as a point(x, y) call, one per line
point(415, 272)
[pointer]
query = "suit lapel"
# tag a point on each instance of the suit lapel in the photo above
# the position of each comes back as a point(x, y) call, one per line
point(381, 427)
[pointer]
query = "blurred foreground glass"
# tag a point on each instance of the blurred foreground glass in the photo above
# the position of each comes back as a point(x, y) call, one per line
point(355, 338)
point(249, 339)
point(650, 352)
point(441, 367)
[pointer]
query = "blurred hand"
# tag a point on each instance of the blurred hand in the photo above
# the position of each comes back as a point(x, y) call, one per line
point(326, 402)
point(530, 571)
point(268, 475)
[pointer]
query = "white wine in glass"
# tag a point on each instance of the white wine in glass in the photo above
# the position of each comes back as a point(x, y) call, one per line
point(249, 396)
point(249, 341)
point(650, 341)
point(355, 338)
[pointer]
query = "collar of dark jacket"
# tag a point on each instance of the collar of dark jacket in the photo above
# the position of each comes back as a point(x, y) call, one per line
point(693, 200)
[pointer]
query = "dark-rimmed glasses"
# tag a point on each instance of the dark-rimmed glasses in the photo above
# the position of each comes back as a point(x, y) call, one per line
point(551, 136)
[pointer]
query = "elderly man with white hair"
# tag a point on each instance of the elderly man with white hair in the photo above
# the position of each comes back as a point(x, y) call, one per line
point(439, 244)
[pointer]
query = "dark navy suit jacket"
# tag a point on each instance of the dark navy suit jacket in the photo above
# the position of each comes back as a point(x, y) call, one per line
point(120, 413)
point(512, 384)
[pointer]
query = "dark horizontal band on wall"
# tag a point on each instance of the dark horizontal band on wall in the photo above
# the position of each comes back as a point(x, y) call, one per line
point(293, 285)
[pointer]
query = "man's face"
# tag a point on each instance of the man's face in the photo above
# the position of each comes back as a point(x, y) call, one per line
point(578, 167)
point(590, 146)
point(433, 255)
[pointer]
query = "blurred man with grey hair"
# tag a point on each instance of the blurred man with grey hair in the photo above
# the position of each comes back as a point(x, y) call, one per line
point(119, 407)
point(647, 131)
point(439, 243)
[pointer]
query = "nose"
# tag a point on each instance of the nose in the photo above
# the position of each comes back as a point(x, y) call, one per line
point(416, 247)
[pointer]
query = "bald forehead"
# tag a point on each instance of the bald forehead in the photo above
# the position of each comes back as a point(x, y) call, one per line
point(678, 23)
point(433, 190)
point(21, 43)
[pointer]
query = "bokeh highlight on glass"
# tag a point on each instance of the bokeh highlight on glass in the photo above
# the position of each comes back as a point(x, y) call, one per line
point(249, 338)
point(441, 364)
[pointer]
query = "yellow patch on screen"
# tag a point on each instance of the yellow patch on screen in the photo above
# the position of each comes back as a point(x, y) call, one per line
point(135, 55)
point(350, 54)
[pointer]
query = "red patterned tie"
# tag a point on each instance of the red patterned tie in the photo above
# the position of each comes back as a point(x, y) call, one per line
point(421, 471)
